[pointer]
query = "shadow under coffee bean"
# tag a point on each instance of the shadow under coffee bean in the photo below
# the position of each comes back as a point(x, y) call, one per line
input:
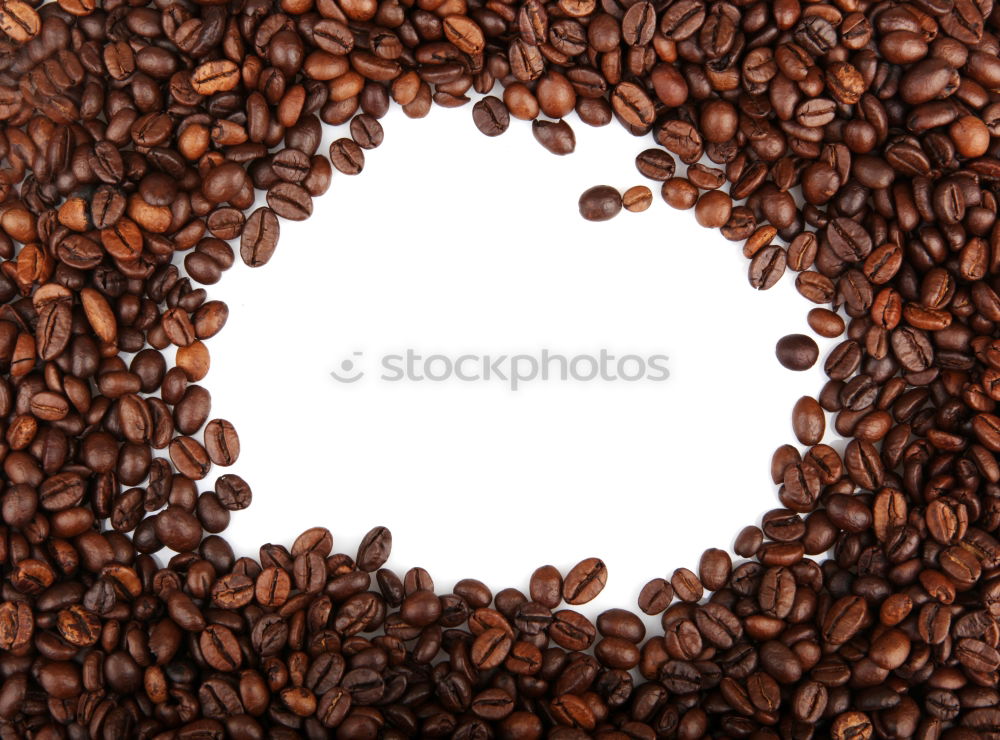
point(857, 141)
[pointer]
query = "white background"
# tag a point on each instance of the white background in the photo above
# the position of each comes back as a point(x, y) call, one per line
point(453, 242)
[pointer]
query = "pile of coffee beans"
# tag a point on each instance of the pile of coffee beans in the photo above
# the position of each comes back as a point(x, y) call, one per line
point(853, 143)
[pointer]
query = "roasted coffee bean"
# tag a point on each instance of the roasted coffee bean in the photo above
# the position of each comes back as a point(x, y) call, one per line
point(767, 267)
point(215, 77)
point(713, 209)
point(259, 238)
point(233, 492)
point(491, 116)
point(221, 442)
point(584, 581)
point(286, 199)
point(797, 351)
point(291, 165)
point(637, 198)
point(633, 105)
point(19, 21)
point(826, 323)
point(366, 131)
point(679, 193)
point(808, 421)
point(600, 203)
point(556, 136)
point(374, 549)
point(347, 157)
point(655, 164)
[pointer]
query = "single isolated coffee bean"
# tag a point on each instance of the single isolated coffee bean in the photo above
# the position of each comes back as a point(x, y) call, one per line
point(797, 351)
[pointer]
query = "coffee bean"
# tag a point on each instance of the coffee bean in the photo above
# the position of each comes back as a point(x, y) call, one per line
point(681, 138)
point(600, 203)
point(633, 105)
point(808, 421)
point(767, 267)
point(713, 209)
point(221, 442)
point(655, 164)
point(490, 648)
point(287, 200)
point(491, 116)
point(796, 352)
point(556, 96)
point(214, 77)
point(177, 529)
point(750, 538)
point(686, 585)
point(826, 323)
point(637, 198)
point(679, 193)
point(546, 586)
point(556, 136)
point(19, 20)
point(16, 624)
point(347, 157)
point(223, 182)
point(291, 165)
point(374, 549)
point(260, 237)
point(584, 581)
point(367, 131)
point(233, 492)
point(220, 648)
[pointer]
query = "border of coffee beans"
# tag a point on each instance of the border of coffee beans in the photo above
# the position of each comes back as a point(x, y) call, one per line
point(855, 143)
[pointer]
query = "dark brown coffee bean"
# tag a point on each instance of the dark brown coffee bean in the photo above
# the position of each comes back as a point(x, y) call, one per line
point(285, 199)
point(220, 648)
point(374, 549)
point(347, 157)
point(655, 164)
point(797, 352)
point(584, 581)
point(600, 203)
point(632, 103)
point(233, 492)
point(546, 586)
point(291, 165)
point(491, 116)
point(556, 136)
point(679, 193)
point(767, 267)
point(844, 619)
point(366, 131)
point(259, 238)
point(686, 585)
point(681, 138)
point(221, 442)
